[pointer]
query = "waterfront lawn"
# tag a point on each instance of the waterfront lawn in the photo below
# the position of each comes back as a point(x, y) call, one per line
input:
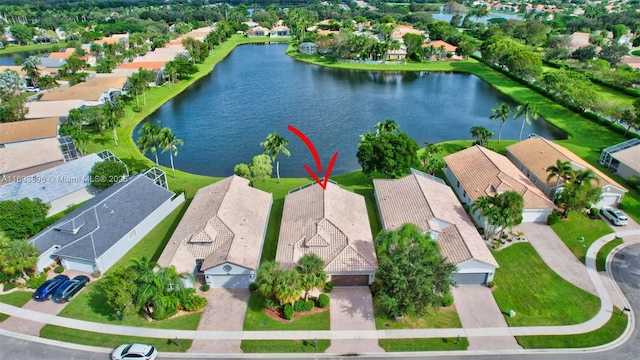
point(612, 330)
point(16, 298)
point(578, 226)
point(257, 319)
point(110, 341)
point(434, 344)
point(539, 296)
point(10, 49)
point(430, 319)
point(601, 259)
point(284, 346)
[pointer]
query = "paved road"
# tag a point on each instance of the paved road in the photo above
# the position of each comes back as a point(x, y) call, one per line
point(625, 268)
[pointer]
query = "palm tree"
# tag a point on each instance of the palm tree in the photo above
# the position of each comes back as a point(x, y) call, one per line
point(288, 288)
point(143, 268)
point(30, 67)
point(169, 142)
point(481, 135)
point(586, 176)
point(267, 277)
point(149, 139)
point(274, 145)
point(502, 112)
point(530, 111)
point(387, 127)
point(485, 206)
point(312, 275)
point(113, 111)
point(562, 170)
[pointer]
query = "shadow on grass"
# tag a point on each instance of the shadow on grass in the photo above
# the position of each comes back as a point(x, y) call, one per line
point(167, 235)
point(97, 301)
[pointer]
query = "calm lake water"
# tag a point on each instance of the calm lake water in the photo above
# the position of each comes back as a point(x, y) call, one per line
point(7, 59)
point(258, 89)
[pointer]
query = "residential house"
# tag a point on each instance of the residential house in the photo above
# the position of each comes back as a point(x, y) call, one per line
point(57, 108)
point(27, 158)
point(431, 205)
point(534, 155)
point(579, 39)
point(221, 235)
point(19, 132)
point(333, 224)
point(397, 54)
point(400, 30)
point(442, 49)
point(280, 31)
point(131, 68)
point(327, 32)
point(100, 89)
point(56, 59)
point(114, 39)
point(251, 24)
point(477, 171)
point(97, 234)
point(623, 159)
point(258, 31)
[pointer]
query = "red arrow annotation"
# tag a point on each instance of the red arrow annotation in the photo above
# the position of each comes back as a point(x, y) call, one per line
point(314, 152)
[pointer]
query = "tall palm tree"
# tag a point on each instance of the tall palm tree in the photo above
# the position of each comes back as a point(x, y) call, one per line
point(530, 111)
point(502, 112)
point(274, 145)
point(149, 139)
point(170, 142)
point(267, 277)
point(30, 67)
point(312, 274)
point(288, 288)
point(143, 268)
point(113, 111)
point(481, 134)
point(561, 170)
point(586, 176)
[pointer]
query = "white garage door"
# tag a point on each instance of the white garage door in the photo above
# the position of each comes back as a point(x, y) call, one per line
point(608, 200)
point(534, 216)
point(83, 266)
point(469, 278)
point(228, 281)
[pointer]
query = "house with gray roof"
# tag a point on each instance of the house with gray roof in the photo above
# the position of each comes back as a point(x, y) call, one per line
point(432, 206)
point(334, 225)
point(100, 232)
point(220, 236)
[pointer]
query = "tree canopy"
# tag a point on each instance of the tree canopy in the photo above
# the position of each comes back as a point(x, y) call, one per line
point(388, 151)
point(107, 173)
point(23, 218)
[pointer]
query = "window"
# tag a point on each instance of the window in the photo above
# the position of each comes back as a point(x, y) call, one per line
point(535, 180)
point(464, 194)
point(227, 268)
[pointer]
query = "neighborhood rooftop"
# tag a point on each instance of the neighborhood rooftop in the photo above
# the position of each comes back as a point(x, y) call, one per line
point(43, 109)
point(629, 156)
point(31, 154)
point(28, 130)
point(91, 90)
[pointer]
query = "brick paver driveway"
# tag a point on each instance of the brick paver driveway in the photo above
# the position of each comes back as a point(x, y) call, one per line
point(352, 309)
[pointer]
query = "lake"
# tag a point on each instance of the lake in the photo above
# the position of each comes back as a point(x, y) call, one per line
point(258, 89)
point(7, 59)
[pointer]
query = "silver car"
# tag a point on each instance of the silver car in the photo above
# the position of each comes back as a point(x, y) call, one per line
point(616, 216)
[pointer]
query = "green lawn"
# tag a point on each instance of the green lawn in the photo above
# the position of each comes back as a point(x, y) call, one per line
point(16, 298)
point(257, 319)
point(579, 227)
point(612, 330)
point(601, 259)
point(435, 344)
point(284, 346)
point(108, 340)
point(10, 49)
point(539, 296)
point(431, 319)
point(605, 93)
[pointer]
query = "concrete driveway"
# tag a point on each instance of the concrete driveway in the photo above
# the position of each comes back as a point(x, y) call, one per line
point(352, 309)
point(225, 310)
point(632, 225)
point(557, 255)
point(478, 309)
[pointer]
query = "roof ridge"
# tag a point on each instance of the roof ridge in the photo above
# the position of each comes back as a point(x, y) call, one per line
point(348, 246)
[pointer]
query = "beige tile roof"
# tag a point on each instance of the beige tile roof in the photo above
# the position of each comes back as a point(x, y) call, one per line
point(482, 172)
point(28, 155)
point(332, 224)
point(165, 54)
point(630, 157)
point(91, 90)
point(431, 206)
point(28, 130)
point(42, 109)
point(537, 154)
point(225, 222)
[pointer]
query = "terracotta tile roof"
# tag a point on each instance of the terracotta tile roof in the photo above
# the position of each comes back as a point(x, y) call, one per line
point(62, 55)
point(225, 222)
point(91, 90)
point(431, 206)
point(332, 224)
point(28, 130)
point(438, 43)
point(629, 157)
point(42, 109)
point(28, 155)
point(537, 154)
point(153, 65)
point(327, 32)
point(482, 172)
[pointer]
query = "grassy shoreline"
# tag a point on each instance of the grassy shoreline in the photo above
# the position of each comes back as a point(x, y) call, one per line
point(12, 49)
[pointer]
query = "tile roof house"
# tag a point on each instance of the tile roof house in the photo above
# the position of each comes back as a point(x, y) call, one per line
point(28, 130)
point(97, 234)
point(534, 155)
point(55, 108)
point(332, 224)
point(430, 204)
point(99, 89)
point(280, 31)
point(258, 31)
point(57, 58)
point(477, 171)
point(400, 30)
point(623, 159)
point(221, 235)
point(27, 158)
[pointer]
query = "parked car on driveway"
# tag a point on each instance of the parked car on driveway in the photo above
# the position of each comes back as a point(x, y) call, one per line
point(32, 89)
point(134, 351)
point(616, 216)
point(70, 287)
point(46, 290)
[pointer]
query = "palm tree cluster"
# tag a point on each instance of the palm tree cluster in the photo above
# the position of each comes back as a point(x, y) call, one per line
point(501, 211)
point(579, 188)
point(527, 110)
point(287, 285)
point(153, 137)
point(481, 135)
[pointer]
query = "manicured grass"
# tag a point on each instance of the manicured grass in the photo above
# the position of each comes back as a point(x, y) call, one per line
point(257, 319)
point(16, 298)
point(284, 346)
point(605, 93)
point(110, 341)
point(612, 330)
point(10, 49)
point(577, 227)
point(431, 319)
point(536, 293)
point(601, 259)
point(435, 344)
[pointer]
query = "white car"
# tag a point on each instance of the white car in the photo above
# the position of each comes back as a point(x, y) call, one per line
point(616, 217)
point(134, 351)
point(32, 89)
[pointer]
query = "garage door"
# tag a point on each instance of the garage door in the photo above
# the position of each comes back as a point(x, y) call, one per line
point(608, 200)
point(534, 216)
point(350, 280)
point(77, 265)
point(228, 281)
point(469, 279)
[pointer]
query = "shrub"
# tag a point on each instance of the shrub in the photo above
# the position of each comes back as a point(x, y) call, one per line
point(106, 173)
point(447, 300)
point(194, 303)
point(253, 287)
point(47, 269)
point(206, 287)
point(328, 286)
point(299, 305)
point(161, 314)
point(271, 304)
point(553, 218)
point(634, 182)
point(491, 284)
point(288, 312)
point(323, 300)
point(36, 280)
point(9, 285)
point(309, 305)
point(375, 287)
point(97, 273)
point(593, 213)
point(58, 270)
